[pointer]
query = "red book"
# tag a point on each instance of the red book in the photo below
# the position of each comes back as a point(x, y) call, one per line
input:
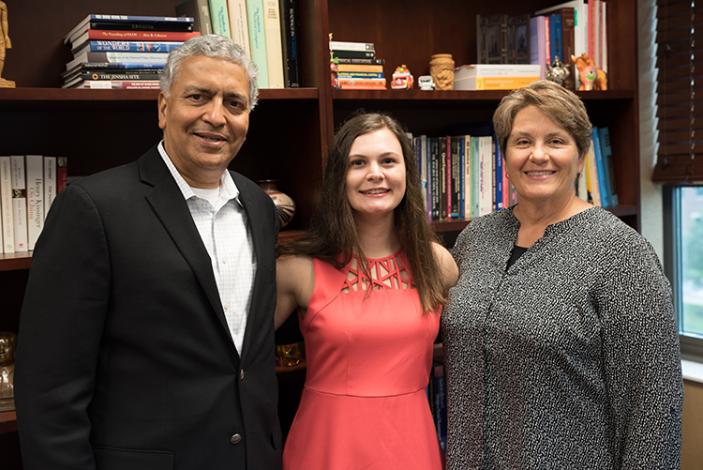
point(106, 34)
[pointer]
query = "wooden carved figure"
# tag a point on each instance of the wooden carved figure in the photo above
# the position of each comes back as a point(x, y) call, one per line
point(5, 43)
point(590, 76)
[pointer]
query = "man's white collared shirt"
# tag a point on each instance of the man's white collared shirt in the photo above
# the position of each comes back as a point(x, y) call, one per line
point(222, 225)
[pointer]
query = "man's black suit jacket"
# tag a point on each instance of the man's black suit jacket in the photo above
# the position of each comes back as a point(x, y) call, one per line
point(124, 357)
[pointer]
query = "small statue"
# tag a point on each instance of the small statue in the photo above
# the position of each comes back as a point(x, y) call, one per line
point(557, 72)
point(5, 43)
point(402, 78)
point(442, 71)
point(425, 82)
point(590, 76)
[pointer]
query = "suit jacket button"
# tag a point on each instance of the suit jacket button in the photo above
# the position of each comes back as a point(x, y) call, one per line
point(241, 375)
point(235, 438)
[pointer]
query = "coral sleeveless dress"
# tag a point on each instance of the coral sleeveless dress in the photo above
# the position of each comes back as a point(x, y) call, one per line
point(364, 405)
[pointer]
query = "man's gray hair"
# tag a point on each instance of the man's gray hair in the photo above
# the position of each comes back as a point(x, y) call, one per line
point(215, 46)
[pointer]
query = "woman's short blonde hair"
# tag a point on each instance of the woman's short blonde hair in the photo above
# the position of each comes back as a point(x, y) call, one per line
point(561, 105)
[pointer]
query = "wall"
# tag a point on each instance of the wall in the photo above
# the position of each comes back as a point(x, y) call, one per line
point(692, 430)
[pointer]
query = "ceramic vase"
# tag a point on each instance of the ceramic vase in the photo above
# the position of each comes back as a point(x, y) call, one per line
point(284, 203)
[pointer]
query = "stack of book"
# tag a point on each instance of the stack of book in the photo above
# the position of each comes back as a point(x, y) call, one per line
point(120, 51)
point(354, 66)
point(28, 186)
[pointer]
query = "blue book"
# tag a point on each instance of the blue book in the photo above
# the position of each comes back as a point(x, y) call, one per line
point(607, 153)
point(131, 46)
point(499, 175)
point(555, 37)
point(600, 170)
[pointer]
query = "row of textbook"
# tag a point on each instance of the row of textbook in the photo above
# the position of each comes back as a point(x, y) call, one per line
point(570, 28)
point(28, 186)
point(119, 51)
point(266, 30)
point(464, 176)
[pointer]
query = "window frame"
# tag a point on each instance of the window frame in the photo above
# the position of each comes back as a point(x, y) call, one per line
point(691, 344)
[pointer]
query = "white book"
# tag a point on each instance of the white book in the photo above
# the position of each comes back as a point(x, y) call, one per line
point(496, 70)
point(19, 202)
point(8, 234)
point(485, 155)
point(35, 198)
point(49, 183)
point(274, 46)
point(238, 26)
point(352, 46)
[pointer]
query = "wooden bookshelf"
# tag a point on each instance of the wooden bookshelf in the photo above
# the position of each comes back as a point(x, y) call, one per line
point(291, 129)
point(8, 421)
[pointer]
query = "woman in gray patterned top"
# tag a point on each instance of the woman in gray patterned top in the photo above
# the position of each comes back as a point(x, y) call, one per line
point(561, 345)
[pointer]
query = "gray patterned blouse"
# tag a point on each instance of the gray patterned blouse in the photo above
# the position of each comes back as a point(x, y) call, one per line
point(567, 360)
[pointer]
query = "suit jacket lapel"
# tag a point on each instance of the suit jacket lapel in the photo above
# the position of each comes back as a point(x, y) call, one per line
point(172, 210)
point(255, 224)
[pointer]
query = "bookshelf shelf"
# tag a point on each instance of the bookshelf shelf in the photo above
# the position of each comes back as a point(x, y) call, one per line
point(8, 421)
point(15, 261)
point(460, 95)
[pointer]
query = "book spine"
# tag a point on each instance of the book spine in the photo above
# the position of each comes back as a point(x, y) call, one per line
point(19, 202)
point(141, 25)
point(351, 46)
point(360, 75)
point(61, 174)
point(467, 176)
point(142, 18)
point(274, 52)
point(289, 22)
point(600, 171)
point(503, 83)
point(35, 198)
point(141, 35)
point(498, 178)
point(360, 83)
point(257, 40)
point(365, 68)
point(127, 57)
point(8, 231)
point(120, 84)
point(339, 55)
point(133, 46)
point(238, 25)
point(443, 171)
point(455, 177)
point(97, 75)
point(219, 17)
point(435, 176)
point(122, 65)
point(49, 183)
point(360, 60)
point(568, 47)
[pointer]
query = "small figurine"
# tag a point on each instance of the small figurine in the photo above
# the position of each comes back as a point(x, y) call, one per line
point(5, 43)
point(590, 76)
point(425, 82)
point(402, 78)
point(557, 72)
point(442, 71)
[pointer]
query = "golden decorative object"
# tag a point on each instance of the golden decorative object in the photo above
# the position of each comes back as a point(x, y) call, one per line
point(290, 355)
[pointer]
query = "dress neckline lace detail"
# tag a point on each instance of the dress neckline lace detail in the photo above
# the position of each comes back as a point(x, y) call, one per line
point(389, 272)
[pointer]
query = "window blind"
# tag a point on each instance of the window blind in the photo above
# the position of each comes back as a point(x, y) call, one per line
point(680, 91)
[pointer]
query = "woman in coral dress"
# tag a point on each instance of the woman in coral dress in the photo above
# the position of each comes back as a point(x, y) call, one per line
point(368, 282)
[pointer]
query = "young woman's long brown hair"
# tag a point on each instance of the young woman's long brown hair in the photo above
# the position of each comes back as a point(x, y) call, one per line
point(333, 236)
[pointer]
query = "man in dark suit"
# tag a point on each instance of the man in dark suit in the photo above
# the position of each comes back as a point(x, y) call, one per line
point(146, 337)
